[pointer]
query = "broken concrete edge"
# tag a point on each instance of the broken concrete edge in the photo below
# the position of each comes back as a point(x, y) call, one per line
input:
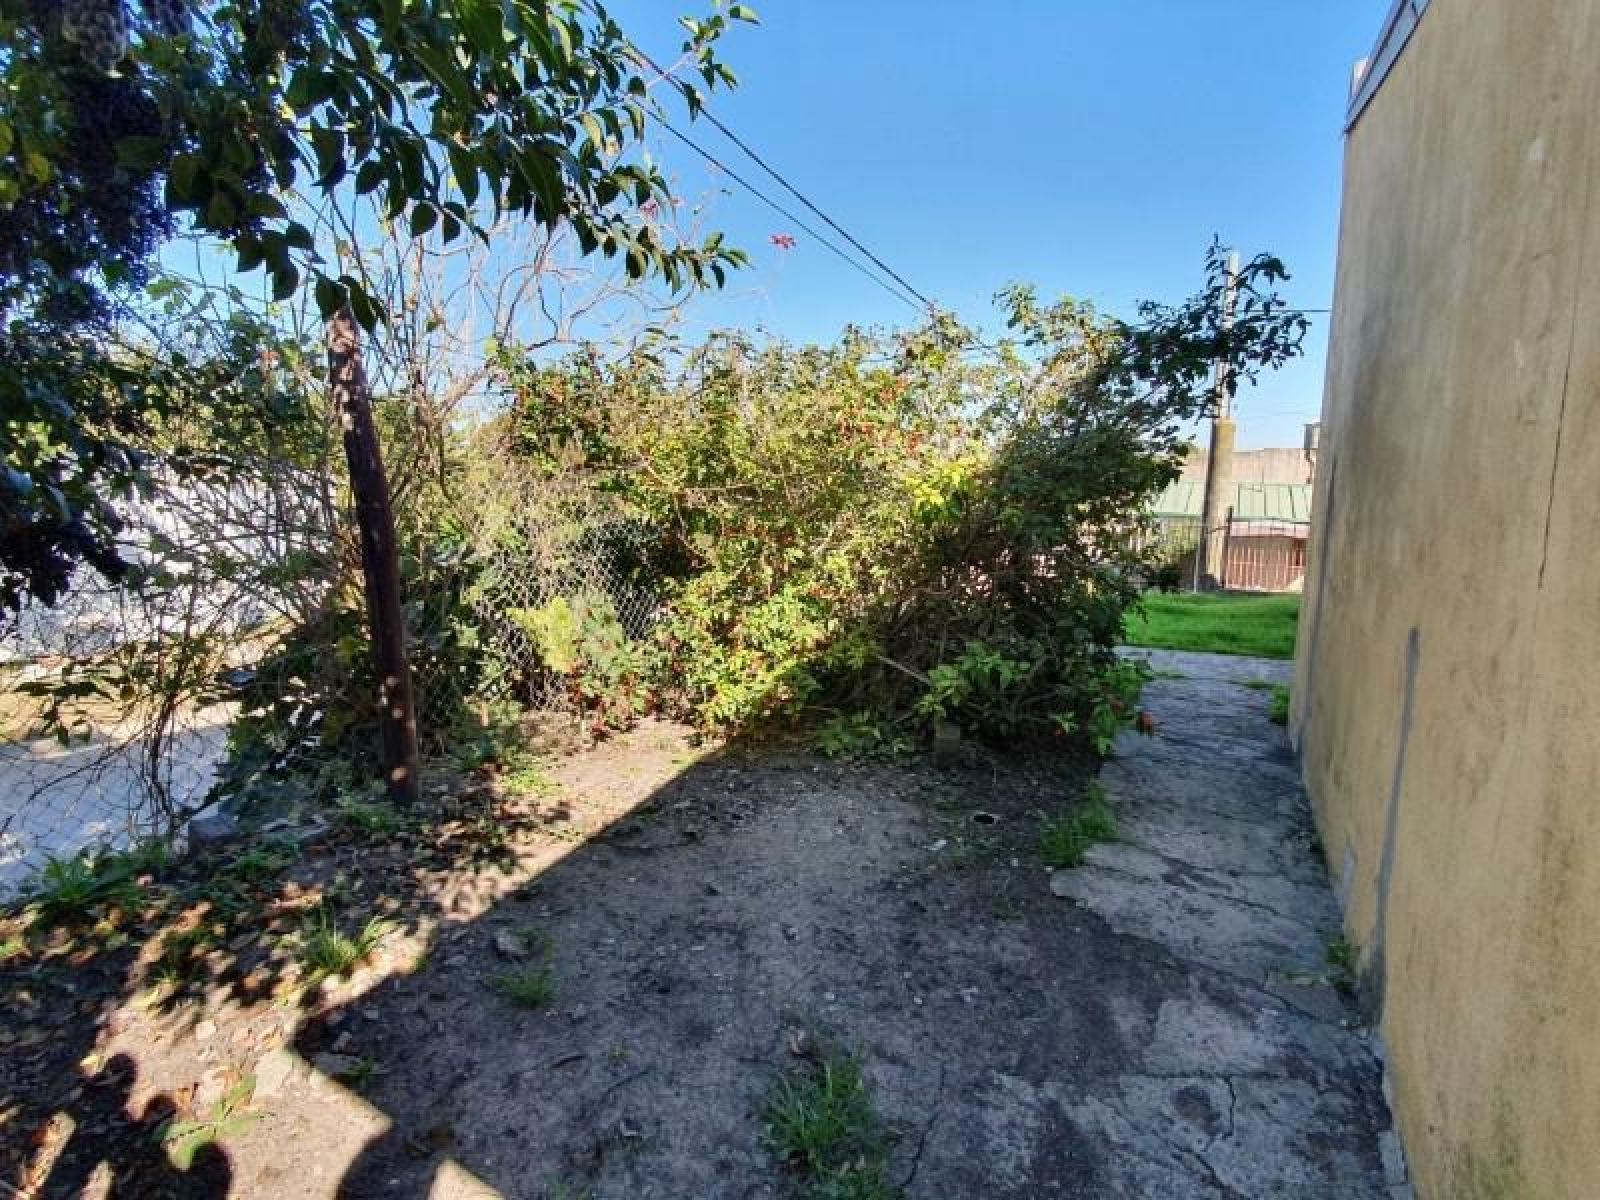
point(216, 828)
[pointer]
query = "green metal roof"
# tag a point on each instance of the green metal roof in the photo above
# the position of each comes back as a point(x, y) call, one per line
point(1251, 501)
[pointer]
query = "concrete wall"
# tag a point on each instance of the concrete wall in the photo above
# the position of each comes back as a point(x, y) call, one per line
point(1447, 696)
point(1273, 465)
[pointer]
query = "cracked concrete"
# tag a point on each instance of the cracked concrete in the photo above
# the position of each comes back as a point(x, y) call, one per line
point(1258, 1081)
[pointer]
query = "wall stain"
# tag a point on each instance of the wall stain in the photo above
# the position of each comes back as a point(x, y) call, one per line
point(1375, 978)
point(1324, 536)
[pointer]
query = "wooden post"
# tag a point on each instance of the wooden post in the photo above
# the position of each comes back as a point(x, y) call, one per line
point(380, 557)
point(1219, 461)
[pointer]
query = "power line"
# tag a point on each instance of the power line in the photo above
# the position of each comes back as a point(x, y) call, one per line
point(774, 205)
point(791, 189)
point(797, 193)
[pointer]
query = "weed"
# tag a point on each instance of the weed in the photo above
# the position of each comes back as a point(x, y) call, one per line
point(260, 863)
point(1340, 956)
point(1256, 685)
point(820, 1121)
point(183, 955)
point(326, 951)
point(530, 985)
point(361, 1075)
point(182, 1140)
point(68, 888)
point(1278, 713)
point(1065, 838)
point(973, 853)
point(366, 817)
point(1165, 674)
point(13, 947)
point(526, 775)
point(858, 735)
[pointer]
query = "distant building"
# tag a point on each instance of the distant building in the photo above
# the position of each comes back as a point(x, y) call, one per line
point(1265, 550)
point(1276, 464)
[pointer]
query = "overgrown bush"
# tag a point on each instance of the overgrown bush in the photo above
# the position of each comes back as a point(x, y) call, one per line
point(888, 534)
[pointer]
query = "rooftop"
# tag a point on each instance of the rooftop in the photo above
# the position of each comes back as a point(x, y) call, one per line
point(1289, 502)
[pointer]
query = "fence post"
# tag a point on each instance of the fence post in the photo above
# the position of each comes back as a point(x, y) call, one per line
point(1227, 548)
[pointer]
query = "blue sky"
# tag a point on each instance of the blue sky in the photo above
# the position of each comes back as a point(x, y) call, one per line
point(1092, 147)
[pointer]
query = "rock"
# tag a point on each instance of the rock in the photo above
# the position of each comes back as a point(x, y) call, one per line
point(274, 1071)
point(212, 829)
point(510, 945)
point(1061, 884)
point(205, 1031)
point(946, 744)
point(336, 1066)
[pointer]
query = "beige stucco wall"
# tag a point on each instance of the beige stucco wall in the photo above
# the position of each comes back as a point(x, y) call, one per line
point(1447, 698)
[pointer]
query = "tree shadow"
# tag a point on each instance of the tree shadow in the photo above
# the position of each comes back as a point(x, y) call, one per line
point(183, 940)
point(748, 899)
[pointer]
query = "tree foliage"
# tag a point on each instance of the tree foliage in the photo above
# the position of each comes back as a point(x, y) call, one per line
point(242, 119)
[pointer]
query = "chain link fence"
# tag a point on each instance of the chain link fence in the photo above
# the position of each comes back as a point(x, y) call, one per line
point(117, 705)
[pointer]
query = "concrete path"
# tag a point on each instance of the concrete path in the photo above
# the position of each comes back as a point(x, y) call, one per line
point(1216, 870)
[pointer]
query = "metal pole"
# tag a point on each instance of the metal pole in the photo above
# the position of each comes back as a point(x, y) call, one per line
point(1219, 458)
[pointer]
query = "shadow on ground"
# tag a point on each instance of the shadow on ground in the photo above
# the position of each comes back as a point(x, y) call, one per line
point(692, 915)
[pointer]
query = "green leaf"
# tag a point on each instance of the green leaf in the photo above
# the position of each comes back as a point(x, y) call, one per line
point(328, 145)
point(221, 212)
point(369, 177)
point(143, 153)
point(285, 280)
point(465, 171)
point(182, 176)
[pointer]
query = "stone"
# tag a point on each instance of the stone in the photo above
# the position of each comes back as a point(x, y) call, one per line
point(274, 1071)
point(212, 829)
point(510, 945)
point(336, 1066)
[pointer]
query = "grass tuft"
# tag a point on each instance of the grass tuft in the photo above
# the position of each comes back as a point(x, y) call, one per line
point(1065, 838)
point(820, 1121)
point(529, 986)
point(69, 889)
point(1278, 713)
point(327, 952)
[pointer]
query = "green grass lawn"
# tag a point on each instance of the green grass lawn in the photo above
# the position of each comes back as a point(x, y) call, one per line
point(1220, 623)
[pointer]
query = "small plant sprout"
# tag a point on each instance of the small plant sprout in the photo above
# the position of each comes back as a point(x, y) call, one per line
point(1065, 838)
point(182, 1140)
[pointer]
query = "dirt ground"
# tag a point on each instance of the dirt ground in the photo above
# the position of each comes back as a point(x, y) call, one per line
point(699, 911)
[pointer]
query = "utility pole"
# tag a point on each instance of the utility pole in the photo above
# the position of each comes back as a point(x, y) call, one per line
point(1219, 460)
point(380, 557)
